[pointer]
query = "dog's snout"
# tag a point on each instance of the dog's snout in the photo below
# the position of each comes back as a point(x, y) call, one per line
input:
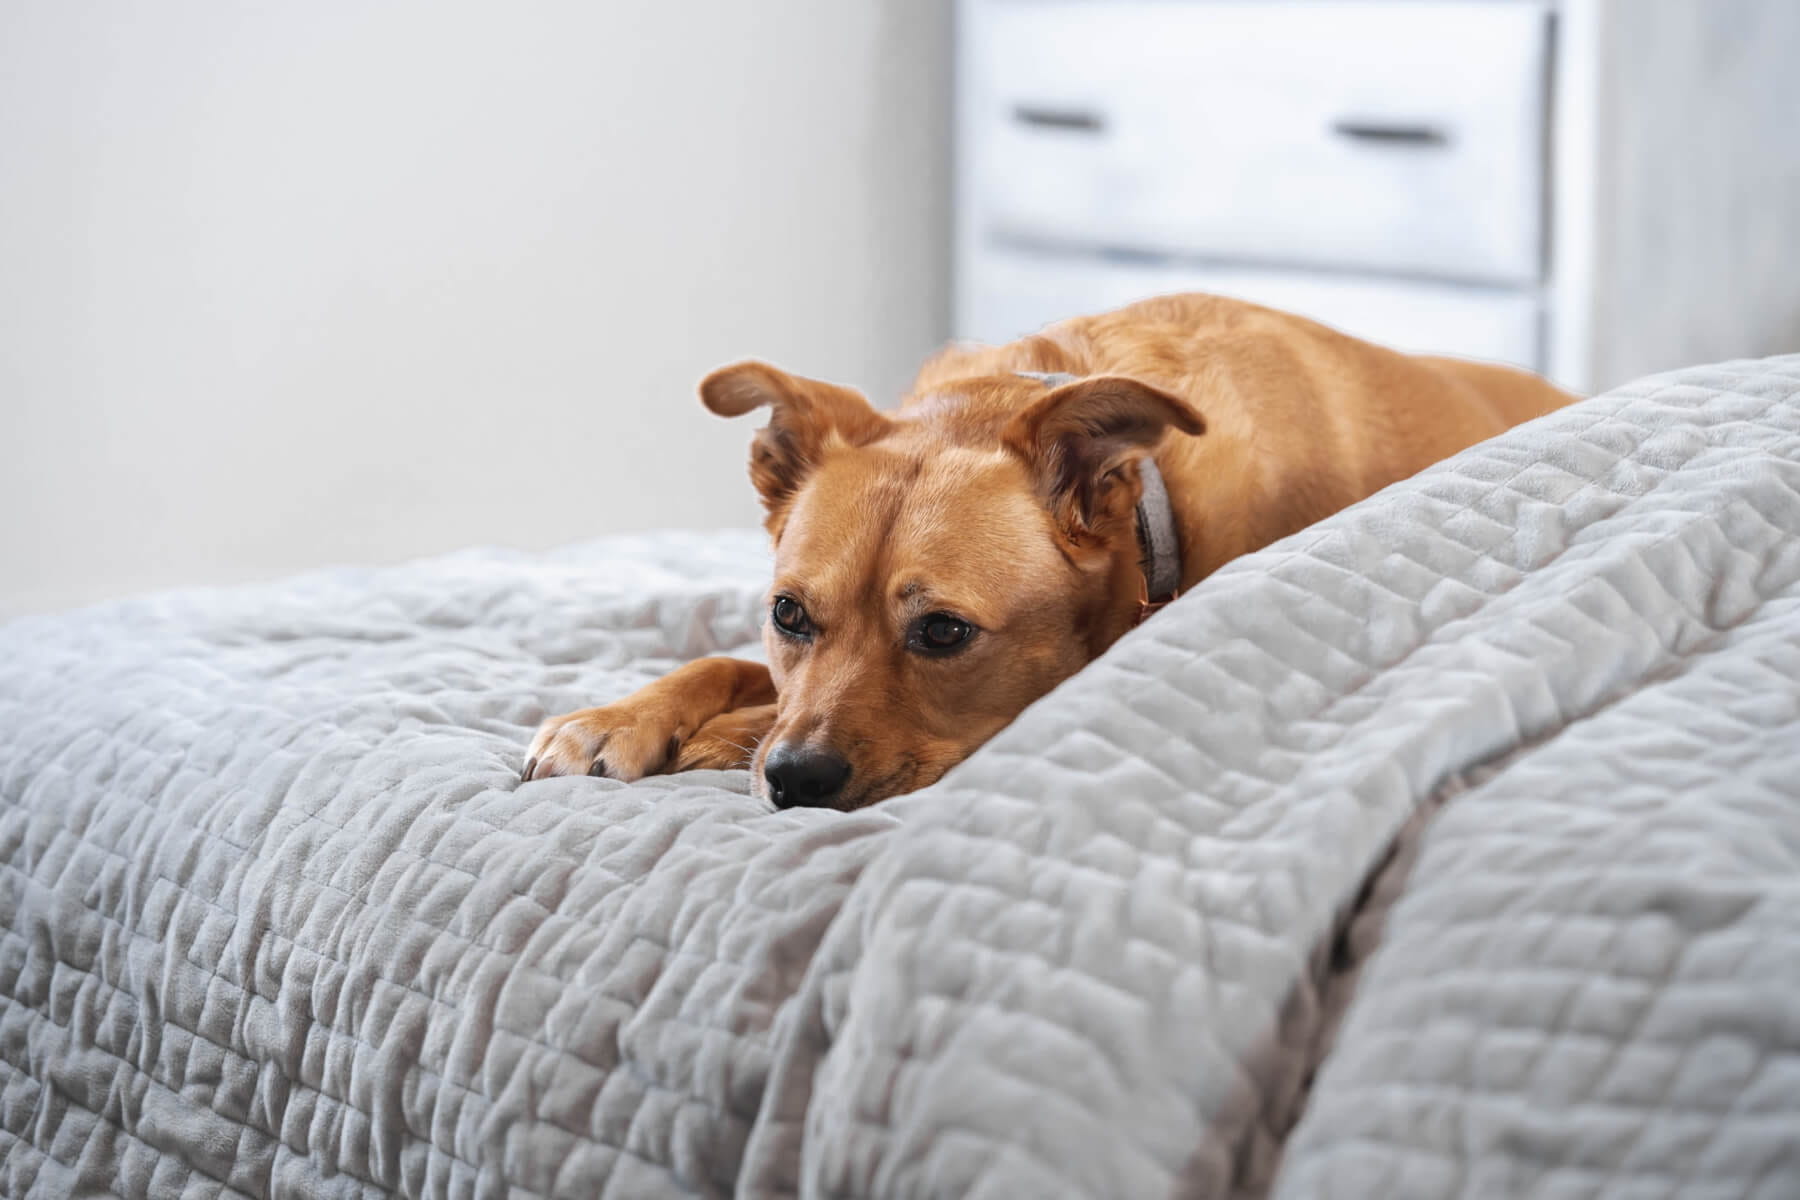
point(799, 777)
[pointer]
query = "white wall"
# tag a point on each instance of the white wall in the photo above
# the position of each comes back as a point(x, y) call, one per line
point(297, 284)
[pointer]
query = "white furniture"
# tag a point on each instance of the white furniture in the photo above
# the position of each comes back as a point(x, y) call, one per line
point(1591, 188)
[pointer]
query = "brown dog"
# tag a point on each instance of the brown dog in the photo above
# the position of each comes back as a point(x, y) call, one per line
point(939, 568)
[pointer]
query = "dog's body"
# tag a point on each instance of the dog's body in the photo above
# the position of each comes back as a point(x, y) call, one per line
point(941, 567)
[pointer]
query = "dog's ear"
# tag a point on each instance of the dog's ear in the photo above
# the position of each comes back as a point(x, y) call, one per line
point(1077, 438)
point(806, 418)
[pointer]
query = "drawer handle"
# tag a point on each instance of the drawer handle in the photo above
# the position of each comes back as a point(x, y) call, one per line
point(1061, 120)
point(1390, 133)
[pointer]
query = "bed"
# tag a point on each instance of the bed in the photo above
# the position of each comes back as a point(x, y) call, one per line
point(1450, 847)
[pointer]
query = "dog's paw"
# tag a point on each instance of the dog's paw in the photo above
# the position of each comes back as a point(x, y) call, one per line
point(614, 742)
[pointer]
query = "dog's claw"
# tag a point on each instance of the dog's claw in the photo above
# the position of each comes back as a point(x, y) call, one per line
point(530, 766)
point(598, 770)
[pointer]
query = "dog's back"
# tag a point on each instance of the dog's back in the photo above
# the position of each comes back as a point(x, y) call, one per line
point(1301, 420)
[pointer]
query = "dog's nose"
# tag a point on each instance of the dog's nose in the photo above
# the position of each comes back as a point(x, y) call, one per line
point(803, 778)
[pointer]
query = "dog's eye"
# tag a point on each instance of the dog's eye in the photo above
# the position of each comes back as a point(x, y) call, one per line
point(941, 631)
point(790, 618)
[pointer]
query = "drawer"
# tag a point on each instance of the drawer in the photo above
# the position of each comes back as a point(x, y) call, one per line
point(1401, 136)
point(1009, 295)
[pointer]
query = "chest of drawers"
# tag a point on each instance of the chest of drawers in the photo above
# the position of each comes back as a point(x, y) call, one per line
point(1590, 188)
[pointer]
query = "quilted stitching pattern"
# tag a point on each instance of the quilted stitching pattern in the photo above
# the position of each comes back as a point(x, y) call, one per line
point(1586, 987)
point(279, 919)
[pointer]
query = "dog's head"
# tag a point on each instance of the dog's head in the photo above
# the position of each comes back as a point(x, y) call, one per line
point(936, 570)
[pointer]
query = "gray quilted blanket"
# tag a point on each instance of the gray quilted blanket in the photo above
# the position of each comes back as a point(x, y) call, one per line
point(1450, 848)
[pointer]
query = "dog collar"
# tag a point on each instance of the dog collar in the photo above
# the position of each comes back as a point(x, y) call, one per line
point(1159, 552)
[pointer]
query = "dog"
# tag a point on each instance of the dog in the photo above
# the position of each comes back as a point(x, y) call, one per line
point(941, 566)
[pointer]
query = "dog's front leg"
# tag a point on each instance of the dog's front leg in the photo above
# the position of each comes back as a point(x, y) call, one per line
point(646, 732)
point(727, 741)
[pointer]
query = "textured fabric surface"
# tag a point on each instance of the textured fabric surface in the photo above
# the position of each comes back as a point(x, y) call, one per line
point(1447, 848)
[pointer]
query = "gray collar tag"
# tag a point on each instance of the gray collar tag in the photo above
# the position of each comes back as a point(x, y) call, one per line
point(1161, 552)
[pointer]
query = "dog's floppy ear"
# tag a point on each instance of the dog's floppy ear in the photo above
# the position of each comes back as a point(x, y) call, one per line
point(1078, 436)
point(806, 417)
